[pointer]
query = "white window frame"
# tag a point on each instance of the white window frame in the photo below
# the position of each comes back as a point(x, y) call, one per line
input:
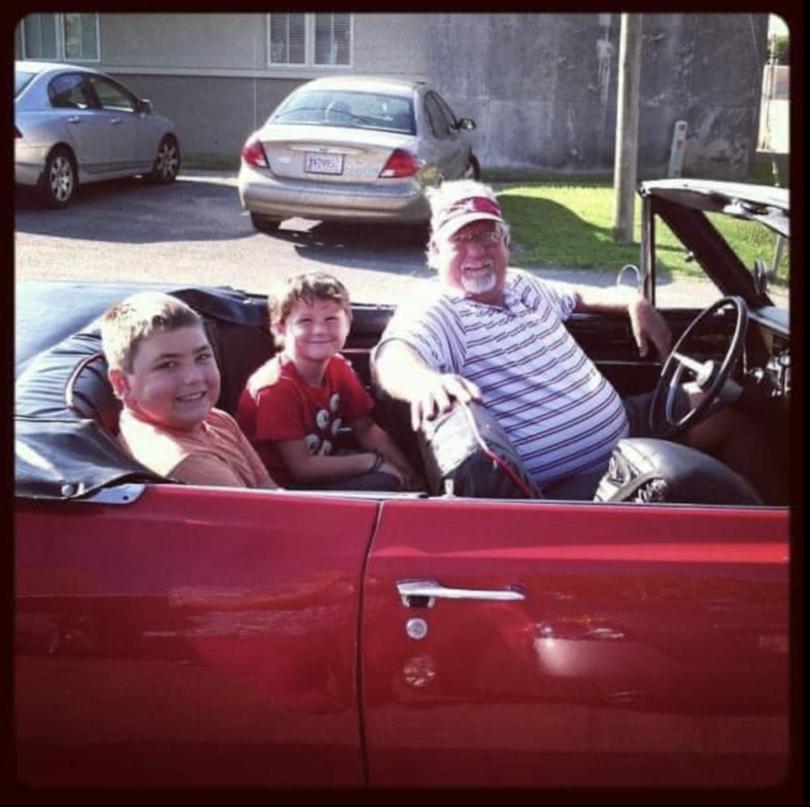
point(309, 64)
point(59, 23)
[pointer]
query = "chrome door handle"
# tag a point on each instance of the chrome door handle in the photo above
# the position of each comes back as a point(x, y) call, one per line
point(115, 121)
point(74, 119)
point(423, 593)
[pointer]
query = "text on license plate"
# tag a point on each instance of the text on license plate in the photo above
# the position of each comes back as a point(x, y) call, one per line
point(323, 163)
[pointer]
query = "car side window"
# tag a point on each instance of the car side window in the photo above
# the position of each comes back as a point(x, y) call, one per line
point(113, 96)
point(439, 124)
point(70, 91)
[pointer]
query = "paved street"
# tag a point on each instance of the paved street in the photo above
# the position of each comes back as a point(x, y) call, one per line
point(195, 232)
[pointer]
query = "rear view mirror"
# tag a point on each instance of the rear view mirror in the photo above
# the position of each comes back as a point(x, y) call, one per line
point(145, 106)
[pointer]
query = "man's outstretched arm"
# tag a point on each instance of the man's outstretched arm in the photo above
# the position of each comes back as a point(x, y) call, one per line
point(402, 373)
point(647, 324)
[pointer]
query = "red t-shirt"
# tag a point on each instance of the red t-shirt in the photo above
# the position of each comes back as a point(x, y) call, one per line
point(277, 404)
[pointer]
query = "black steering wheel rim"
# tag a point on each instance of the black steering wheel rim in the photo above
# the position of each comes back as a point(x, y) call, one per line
point(662, 421)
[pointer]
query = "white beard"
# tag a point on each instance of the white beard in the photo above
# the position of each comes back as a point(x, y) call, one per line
point(479, 284)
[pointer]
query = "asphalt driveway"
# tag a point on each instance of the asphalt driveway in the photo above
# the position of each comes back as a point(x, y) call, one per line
point(194, 231)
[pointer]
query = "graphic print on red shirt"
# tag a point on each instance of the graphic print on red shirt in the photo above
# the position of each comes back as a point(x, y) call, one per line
point(277, 404)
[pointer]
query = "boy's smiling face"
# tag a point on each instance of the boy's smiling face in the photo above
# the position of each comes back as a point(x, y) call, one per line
point(314, 332)
point(174, 380)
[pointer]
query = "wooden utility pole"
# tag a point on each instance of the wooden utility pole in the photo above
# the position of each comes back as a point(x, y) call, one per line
point(626, 154)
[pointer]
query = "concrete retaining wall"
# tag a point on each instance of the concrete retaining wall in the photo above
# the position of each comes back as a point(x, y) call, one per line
point(543, 88)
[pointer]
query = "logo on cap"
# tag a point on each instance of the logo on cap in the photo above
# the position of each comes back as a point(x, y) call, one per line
point(467, 208)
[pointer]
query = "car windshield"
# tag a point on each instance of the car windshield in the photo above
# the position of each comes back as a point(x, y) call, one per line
point(21, 80)
point(763, 252)
point(360, 110)
point(761, 245)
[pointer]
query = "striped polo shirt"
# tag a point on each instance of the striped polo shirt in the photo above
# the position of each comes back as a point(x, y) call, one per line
point(561, 414)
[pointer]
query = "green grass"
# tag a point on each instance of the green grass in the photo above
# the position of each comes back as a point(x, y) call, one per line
point(570, 225)
point(769, 168)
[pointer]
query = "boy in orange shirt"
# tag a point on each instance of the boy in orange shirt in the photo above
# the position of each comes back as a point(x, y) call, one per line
point(162, 367)
point(294, 405)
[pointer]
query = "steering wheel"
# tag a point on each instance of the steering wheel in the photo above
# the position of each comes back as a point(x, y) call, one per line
point(709, 375)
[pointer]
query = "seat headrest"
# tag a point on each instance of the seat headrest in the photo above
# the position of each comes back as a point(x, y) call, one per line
point(89, 393)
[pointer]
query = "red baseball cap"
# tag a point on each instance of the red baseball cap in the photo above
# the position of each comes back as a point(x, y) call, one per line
point(463, 211)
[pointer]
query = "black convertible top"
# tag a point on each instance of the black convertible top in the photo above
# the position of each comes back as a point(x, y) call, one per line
point(64, 447)
point(763, 203)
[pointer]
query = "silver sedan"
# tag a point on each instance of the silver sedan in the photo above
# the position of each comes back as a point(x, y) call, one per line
point(353, 148)
point(74, 125)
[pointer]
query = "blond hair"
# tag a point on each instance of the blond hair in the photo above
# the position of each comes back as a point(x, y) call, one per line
point(307, 288)
point(128, 323)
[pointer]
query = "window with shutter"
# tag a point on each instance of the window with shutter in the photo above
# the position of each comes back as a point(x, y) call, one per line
point(81, 36)
point(287, 39)
point(57, 37)
point(39, 36)
point(310, 39)
point(332, 39)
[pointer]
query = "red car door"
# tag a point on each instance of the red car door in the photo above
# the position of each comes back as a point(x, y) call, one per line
point(550, 644)
point(194, 637)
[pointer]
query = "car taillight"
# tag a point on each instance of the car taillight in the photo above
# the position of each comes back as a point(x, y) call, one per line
point(253, 153)
point(401, 163)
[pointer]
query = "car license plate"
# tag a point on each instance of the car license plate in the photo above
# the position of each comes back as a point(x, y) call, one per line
point(323, 163)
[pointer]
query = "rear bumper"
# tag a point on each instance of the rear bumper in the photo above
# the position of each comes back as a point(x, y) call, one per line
point(399, 202)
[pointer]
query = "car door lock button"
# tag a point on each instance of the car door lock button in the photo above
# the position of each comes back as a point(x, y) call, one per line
point(416, 628)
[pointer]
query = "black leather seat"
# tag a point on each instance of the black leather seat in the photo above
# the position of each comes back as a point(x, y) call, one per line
point(467, 449)
point(89, 393)
point(644, 469)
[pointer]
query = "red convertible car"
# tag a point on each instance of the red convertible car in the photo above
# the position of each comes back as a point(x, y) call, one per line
point(170, 635)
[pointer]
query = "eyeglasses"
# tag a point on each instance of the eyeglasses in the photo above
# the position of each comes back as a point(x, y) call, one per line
point(487, 238)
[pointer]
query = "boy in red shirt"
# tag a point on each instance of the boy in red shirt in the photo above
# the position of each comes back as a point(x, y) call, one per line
point(294, 404)
point(162, 367)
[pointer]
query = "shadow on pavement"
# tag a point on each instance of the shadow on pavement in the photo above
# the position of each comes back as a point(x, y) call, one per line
point(136, 211)
point(380, 247)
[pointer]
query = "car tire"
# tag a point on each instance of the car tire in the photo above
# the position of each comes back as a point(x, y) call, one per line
point(59, 180)
point(473, 170)
point(264, 224)
point(167, 161)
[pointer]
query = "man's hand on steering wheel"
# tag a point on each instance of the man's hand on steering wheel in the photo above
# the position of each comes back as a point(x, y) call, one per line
point(649, 326)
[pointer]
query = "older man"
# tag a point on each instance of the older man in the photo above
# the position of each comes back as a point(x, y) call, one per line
point(487, 332)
